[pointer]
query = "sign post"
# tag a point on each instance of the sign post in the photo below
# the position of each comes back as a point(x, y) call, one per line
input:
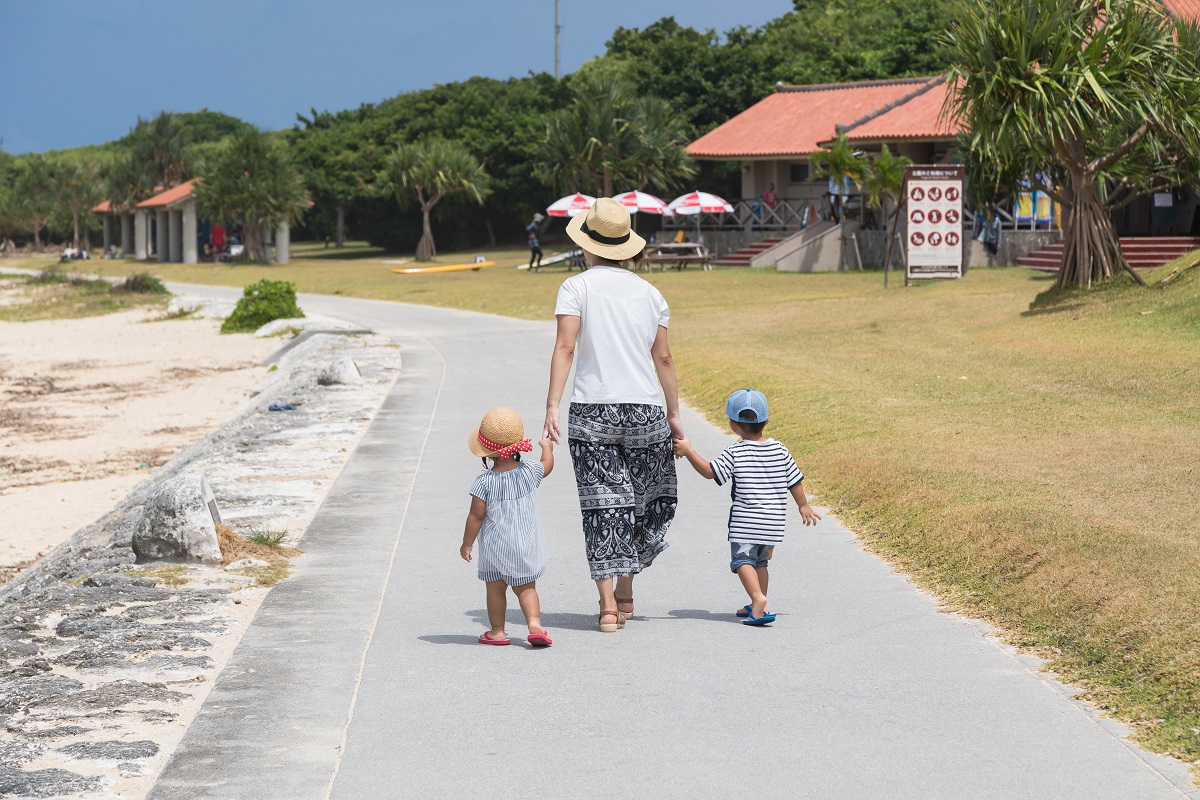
point(934, 223)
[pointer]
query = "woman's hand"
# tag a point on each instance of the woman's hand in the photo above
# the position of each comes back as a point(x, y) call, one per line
point(550, 429)
point(676, 427)
point(465, 552)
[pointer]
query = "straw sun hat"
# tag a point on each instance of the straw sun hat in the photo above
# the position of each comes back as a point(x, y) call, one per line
point(500, 434)
point(604, 231)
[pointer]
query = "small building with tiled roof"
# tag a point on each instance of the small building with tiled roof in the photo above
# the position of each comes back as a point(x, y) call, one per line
point(775, 138)
point(167, 226)
point(175, 223)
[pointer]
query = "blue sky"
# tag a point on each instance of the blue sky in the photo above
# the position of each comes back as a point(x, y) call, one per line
point(75, 72)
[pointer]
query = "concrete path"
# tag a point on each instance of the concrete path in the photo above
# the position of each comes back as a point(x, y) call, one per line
point(361, 678)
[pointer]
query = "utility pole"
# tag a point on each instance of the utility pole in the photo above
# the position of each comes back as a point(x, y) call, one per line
point(557, 34)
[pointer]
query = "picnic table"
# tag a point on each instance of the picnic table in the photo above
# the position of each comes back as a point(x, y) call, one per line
point(680, 254)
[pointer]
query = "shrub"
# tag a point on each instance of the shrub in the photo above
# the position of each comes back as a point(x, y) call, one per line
point(141, 283)
point(261, 303)
point(52, 274)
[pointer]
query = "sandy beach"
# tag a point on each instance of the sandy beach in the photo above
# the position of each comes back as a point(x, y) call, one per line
point(90, 407)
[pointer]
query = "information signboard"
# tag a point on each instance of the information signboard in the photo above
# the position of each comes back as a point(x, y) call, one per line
point(934, 223)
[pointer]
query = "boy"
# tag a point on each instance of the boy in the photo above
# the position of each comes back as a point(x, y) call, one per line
point(761, 473)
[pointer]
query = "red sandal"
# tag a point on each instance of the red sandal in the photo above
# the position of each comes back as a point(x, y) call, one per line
point(485, 639)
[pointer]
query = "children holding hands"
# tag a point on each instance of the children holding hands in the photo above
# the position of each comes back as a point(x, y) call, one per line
point(761, 473)
point(504, 519)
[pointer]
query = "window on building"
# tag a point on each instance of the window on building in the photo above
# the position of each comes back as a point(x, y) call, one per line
point(798, 173)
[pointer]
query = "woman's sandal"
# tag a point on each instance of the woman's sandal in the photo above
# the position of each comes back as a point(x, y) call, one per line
point(628, 614)
point(611, 627)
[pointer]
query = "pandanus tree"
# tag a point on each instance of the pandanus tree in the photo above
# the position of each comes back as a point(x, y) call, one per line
point(252, 181)
point(882, 184)
point(609, 137)
point(1094, 102)
point(429, 171)
point(840, 161)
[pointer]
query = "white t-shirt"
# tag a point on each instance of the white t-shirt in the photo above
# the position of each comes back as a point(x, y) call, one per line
point(620, 315)
point(760, 475)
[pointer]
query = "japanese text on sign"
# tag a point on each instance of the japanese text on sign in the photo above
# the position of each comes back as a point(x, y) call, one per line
point(934, 219)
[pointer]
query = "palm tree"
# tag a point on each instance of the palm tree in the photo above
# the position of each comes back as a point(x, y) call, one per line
point(883, 181)
point(163, 144)
point(841, 161)
point(429, 171)
point(1095, 104)
point(252, 181)
point(609, 137)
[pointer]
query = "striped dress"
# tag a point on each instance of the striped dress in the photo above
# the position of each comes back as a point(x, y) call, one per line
point(511, 548)
point(760, 475)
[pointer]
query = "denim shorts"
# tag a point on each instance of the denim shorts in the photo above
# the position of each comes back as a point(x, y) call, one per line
point(756, 555)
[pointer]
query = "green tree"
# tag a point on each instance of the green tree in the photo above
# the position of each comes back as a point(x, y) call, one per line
point(162, 146)
point(77, 188)
point(841, 161)
point(428, 171)
point(336, 161)
point(31, 196)
point(1094, 103)
point(609, 137)
point(883, 183)
point(253, 182)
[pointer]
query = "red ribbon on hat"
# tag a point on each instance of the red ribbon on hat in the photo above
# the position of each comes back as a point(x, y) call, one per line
point(523, 446)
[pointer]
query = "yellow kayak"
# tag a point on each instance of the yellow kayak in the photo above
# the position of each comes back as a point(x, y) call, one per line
point(443, 268)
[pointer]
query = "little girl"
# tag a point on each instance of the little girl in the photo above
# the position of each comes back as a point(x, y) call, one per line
point(504, 516)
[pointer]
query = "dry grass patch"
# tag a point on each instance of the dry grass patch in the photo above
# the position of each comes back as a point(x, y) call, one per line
point(264, 545)
point(235, 547)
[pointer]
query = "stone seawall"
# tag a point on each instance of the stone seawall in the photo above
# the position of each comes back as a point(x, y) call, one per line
point(104, 661)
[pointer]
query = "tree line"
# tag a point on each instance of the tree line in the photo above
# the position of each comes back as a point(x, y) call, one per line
point(620, 122)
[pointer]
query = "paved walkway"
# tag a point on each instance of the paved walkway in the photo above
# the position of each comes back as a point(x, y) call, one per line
point(360, 678)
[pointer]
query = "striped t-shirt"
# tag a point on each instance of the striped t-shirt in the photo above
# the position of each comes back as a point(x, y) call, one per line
point(760, 475)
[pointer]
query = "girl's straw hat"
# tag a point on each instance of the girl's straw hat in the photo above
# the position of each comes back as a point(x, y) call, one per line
point(604, 231)
point(501, 433)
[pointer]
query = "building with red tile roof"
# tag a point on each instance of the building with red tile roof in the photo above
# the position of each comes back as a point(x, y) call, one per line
point(1183, 9)
point(775, 138)
point(919, 118)
point(170, 197)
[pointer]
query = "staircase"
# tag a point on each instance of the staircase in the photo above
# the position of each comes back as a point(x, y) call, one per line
point(742, 258)
point(1142, 252)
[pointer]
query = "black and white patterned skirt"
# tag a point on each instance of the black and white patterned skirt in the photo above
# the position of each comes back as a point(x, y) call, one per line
point(625, 471)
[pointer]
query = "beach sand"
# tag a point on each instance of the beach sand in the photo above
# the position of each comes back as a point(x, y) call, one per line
point(90, 407)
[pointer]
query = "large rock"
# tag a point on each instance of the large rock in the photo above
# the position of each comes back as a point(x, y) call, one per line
point(178, 523)
point(342, 370)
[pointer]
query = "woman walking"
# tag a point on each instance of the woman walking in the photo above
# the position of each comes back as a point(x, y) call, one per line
point(624, 405)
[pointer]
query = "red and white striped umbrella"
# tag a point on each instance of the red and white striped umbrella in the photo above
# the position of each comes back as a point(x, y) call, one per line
point(570, 205)
point(699, 202)
point(637, 201)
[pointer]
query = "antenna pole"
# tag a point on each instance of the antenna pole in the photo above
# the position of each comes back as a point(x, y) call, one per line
point(557, 33)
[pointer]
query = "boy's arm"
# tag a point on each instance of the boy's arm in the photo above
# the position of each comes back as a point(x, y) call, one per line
point(474, 523)
point(684, 448)
point(547, 459)
point(806, 511)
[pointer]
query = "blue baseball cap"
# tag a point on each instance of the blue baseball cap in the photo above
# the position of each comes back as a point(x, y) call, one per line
point(746, 400)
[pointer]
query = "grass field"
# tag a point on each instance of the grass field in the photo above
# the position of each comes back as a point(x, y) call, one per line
point(1036, 468)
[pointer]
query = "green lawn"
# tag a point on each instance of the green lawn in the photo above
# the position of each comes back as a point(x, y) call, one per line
point(1036, 468)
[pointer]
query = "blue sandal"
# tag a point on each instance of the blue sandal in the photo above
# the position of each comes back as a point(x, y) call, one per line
point(745, 611)
point(766, 619)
